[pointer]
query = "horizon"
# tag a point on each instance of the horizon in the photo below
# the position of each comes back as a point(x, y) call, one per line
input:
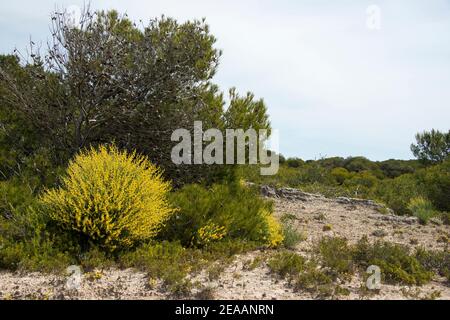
point(333, 86)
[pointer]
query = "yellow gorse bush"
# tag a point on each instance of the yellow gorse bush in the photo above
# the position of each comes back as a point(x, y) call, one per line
point(275, 230)
point(112, 197)
point(210, 233)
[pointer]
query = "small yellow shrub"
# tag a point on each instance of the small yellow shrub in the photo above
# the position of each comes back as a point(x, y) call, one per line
point(275, 231)
point(210, 233)
point(111, 197)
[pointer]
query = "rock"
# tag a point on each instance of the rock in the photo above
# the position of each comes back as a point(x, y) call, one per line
point(398, 219)
point(296, 194)
point(436, 221)
point(268, 191)
point(379, 233)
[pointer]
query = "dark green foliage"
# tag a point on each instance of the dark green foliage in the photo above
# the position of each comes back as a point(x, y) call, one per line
point(333, 162)
point(286, 263)
point(438, 261)
point(112, 81)
point(393, 168)
point(294, 162)
point(436, 185)
point(315, 281)
point(432, 146)
point(335, 255)
point(340, 175)
point(397, 263)
point(27, 242)
point(358, 164)
point(397, 193)
point(238, 209)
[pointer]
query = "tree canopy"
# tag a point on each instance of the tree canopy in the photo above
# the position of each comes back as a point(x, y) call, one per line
point(109, 79)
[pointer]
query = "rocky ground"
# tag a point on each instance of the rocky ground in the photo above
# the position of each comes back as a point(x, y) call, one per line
point(313, 215)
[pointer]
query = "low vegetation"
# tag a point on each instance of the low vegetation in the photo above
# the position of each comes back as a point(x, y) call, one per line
point(396, 183)
point(333, 258)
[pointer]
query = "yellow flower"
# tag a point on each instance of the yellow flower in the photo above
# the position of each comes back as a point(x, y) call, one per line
point(113, 197)
point(210, 232)
point(275, 231)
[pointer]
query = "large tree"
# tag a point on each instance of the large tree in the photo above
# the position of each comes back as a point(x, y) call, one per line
point(108, 79)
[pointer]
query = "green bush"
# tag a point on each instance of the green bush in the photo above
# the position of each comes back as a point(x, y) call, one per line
point(397, 263)
point(294, 162)
point(335, 255)
point(27, 244)
point(436, 184)
point(358, 164)
point(222, 211)
point(439, 261)
point(291, 237)
point(172, 262)
point(397, 193)
point(286, 263)
point(168, 261)
point(340, 174)
point(15, 195)
point(110, 198)
point(421, 208)
point(315, 280)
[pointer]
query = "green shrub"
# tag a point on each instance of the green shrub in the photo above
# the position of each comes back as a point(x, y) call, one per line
point(294, 162)
point(166, 260)
point(172, 262)
point(396, 193)
point(222, 211)
point(364, 179)
point(314, 280)
point(422, 209)
point(40, 252)
point(291, 237)
point(15, 195)
point(335, 255)
point(286, 263)
point(359, 164)
point(110, 198)
point(340, 174)
point(397, 263)
point(438, 261)
point(26, 241)
point(436, 184)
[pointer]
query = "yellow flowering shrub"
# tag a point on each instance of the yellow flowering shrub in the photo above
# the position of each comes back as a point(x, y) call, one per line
point(209, 233)
point(275, 237)
point(112, 197)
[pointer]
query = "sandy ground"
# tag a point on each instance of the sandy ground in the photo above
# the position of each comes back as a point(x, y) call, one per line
point(344, 217)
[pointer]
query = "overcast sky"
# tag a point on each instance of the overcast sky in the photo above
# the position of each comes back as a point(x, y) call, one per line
point(334, 86)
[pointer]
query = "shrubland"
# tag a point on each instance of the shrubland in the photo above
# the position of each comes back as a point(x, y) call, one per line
point(395, 183)
point(334, 258)
point(86, 176)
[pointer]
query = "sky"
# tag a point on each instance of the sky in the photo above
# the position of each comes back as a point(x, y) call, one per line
point(339, 78)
